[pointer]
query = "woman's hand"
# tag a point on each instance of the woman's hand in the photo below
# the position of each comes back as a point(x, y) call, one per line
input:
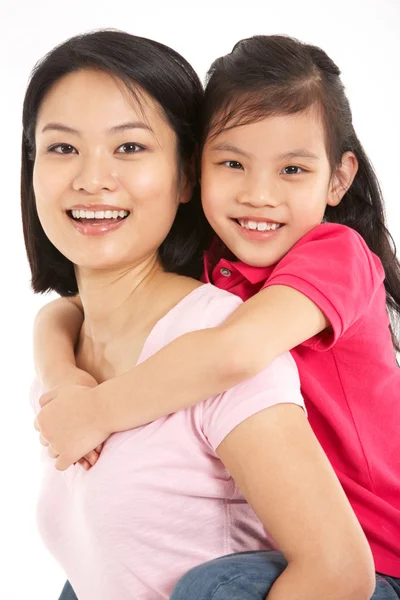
point(71, 424)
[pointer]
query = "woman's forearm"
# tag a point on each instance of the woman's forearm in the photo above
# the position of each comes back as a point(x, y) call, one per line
point(316, 581)
point(56, 330)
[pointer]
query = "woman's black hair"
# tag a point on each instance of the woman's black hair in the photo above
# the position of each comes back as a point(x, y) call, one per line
point(140, 64)
point(275, 75)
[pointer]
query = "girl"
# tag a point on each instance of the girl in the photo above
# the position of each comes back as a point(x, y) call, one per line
point(110, 125)
point(280, 157)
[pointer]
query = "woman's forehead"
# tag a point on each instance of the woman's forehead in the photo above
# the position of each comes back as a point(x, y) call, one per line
point(89, 95)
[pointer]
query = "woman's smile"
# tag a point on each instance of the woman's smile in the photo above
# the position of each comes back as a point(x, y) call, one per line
point(97, 219)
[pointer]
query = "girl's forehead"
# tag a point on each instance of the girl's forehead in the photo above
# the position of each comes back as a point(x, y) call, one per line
point(278, 129)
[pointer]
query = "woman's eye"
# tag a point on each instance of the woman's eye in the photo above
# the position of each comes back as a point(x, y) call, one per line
point(233, 164)
point(62, 149)
point(292, 170)
point(129, 148)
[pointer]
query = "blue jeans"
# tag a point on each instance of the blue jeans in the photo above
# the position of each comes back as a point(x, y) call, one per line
point(244, 576)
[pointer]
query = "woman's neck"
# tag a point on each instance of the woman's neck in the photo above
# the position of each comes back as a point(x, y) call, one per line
point(113, 299)
point(121, 308)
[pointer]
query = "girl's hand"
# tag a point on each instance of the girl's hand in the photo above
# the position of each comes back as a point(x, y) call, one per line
point(71, 424)
point(74, 376)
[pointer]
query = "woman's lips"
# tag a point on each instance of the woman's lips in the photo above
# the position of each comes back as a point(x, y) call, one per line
point(96, 227)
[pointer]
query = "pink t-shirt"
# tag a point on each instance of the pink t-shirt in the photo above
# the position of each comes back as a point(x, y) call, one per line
point(159, 501)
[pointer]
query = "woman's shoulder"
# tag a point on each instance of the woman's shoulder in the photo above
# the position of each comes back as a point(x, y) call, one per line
point(205, 306)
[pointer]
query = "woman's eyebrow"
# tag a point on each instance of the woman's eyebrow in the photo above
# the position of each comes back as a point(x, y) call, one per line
point(116, 129)
point(130, 125)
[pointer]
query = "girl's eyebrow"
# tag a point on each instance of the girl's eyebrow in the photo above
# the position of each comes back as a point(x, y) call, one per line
point(229, 148)
point(116, 129)
point(298, 153)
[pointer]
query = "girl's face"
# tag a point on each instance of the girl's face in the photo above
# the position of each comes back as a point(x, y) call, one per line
point(106, 179)
point(266, 184)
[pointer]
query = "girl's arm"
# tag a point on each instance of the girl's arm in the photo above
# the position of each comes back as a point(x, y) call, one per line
point(56, 331)
point(285, 476)
point(204, 363)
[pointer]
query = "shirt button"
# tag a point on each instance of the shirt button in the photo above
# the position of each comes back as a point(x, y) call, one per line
point(225, 272)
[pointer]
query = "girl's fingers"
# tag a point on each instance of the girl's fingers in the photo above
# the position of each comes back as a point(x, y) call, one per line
point(46, 398)
point(51, 452)
point(43, 441)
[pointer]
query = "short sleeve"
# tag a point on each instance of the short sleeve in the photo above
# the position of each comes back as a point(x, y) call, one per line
point(278, 384)
point(333, 266)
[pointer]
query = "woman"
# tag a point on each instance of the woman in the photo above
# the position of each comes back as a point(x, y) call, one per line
point(110, 127)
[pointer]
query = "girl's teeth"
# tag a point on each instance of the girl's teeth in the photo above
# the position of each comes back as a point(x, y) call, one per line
point(261, 226)
point(99, 214)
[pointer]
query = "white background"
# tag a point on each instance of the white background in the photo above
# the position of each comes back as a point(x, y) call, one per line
point(362, 36)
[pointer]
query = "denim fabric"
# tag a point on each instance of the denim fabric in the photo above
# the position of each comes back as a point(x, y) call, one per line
point(244, 576)
point(67, 593)
point(249, 576)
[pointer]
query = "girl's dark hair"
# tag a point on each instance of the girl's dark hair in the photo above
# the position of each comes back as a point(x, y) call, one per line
point(141, 64)
point(275, 75)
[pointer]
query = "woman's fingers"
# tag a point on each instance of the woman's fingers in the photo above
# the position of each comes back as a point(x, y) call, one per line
point(92, 457)
point(84, 463)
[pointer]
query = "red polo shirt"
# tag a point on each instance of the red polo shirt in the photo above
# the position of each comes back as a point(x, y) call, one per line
point(349, 379)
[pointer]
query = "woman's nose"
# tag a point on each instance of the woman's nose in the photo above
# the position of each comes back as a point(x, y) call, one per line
point(95, 175)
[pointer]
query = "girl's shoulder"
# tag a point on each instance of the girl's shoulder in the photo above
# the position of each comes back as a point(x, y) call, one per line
point(336, 235)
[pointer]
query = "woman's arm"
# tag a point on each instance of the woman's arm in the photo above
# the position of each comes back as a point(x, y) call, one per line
point(204, 363)
point(56, 331)
point(282, 471)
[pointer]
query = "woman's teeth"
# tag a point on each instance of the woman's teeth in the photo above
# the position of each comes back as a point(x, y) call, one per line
point(99, 214)
point(260, 226)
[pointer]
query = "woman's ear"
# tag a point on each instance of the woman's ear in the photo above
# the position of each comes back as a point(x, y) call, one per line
point(342, 178)
point(187, 182)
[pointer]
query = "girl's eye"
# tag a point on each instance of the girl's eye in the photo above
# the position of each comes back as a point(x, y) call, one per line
point(233, 164)
point(292, 170)
point(129, 148)
point(62, 149)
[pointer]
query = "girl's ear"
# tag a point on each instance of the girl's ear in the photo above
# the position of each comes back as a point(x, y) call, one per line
point(342, 178)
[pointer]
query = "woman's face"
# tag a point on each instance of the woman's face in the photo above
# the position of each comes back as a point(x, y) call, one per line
point(106, 176)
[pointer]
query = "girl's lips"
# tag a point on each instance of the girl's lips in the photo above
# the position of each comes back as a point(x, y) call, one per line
point(96, 227)
point(254, 234)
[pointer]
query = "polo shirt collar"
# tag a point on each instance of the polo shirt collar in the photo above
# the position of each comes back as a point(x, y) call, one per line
point(215, 266)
